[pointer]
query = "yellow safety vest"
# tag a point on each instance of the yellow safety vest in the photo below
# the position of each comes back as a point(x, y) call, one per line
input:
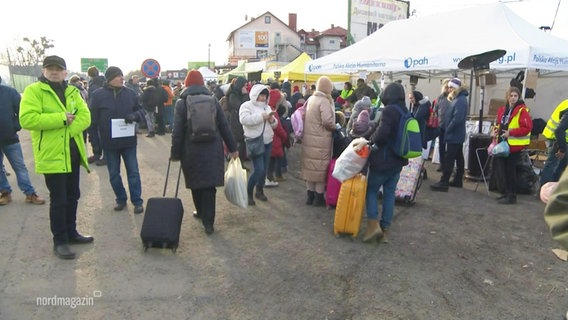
point(514, 124)
point(554, 120)
point(346, 93)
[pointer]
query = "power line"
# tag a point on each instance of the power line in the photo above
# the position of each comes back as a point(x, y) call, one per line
point(555, 15)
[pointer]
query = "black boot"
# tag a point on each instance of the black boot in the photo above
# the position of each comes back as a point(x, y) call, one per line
point(319, 200)
point(251, 199)
point(440, 186)
point(509, 199)
point(260, 194)
point(311, 195)
point(456, 183)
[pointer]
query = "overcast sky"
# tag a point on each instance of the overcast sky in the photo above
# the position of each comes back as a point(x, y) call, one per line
point(175, 32)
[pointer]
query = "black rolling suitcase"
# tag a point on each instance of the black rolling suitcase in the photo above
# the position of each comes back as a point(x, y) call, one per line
point(162, 221)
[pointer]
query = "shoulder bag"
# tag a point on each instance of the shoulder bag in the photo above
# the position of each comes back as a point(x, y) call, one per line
point(255, 146)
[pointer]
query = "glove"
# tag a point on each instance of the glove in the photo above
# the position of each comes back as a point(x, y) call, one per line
point(130, 118)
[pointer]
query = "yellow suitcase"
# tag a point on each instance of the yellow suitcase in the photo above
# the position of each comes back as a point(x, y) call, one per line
point(350, 206)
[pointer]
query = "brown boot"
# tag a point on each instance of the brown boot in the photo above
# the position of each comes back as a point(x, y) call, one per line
point(373, 230)
point(5, 198)
point(384, 238)
point(34, 199)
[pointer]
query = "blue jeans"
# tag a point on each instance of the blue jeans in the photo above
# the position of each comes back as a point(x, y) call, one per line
point(14, 155)
point(132, 174)
point(553, 167)
point(169, 116)
point(388, 179)
point(259, 165)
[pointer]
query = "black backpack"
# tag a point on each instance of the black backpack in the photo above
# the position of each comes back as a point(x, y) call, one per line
point(201, 118)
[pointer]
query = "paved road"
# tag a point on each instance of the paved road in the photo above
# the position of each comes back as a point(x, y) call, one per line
point(455, 255)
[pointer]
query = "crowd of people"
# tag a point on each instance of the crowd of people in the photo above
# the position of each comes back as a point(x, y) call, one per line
point(250, 121)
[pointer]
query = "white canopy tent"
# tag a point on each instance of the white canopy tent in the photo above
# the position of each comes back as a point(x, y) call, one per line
point(439, 41)
point(207, 74)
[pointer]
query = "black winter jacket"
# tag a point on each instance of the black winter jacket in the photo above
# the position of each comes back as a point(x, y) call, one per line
point(382, 154)
point(9, 110)
point(203, 163)
point(114, 103)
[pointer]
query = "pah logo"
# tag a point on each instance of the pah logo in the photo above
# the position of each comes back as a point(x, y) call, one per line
point(312, 68)
point(412, 63)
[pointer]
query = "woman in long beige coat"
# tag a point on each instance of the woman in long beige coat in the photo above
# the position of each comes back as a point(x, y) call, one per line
point(319, 124)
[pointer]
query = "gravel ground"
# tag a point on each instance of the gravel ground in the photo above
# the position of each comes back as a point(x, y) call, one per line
point(455, 255)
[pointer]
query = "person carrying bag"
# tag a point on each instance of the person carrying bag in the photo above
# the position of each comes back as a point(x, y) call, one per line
point(254, 115)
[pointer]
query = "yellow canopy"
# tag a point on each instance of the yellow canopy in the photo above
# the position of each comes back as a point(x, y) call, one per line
point(294, 71)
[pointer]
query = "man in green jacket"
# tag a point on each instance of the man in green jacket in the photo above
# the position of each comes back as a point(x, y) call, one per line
point(56, 115)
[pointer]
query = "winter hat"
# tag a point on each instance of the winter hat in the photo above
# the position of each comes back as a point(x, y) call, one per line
point(112, 72)
point(324, 85)
point(455, 83)
point(340, 118)
point(194, 78)
point(361, 127)
point(296, 89)
point(417, 96)
point(274, 96)
point(364, 103)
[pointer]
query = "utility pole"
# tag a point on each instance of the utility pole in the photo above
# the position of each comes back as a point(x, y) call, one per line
point(209, 56)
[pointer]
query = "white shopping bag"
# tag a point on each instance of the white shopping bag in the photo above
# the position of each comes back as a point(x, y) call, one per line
point(350, 163)
point(236, 183)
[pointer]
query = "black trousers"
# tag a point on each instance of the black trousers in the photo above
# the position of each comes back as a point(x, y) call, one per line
point(64, 194)
point(160, 121)
point(509, 165)
point(454, 155)
point(204, 201)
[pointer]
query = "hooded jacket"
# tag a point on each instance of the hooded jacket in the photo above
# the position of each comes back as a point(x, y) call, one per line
point(363, 104)
point(236, 98)
point(421, 112)
point(319, 125)
point(382, 155)
point(251, 116)
point(44, 114)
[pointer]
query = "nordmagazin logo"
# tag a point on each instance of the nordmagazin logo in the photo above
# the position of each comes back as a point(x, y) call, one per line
point(413, 63)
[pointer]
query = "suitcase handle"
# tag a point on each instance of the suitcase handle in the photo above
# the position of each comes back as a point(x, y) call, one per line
point(167, 176)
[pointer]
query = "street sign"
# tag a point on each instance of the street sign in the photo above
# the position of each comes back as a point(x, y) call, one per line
point(100, 63)
point(150, 68)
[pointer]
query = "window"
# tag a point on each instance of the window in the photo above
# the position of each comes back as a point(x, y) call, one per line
point(267, 19)
point(331, 41)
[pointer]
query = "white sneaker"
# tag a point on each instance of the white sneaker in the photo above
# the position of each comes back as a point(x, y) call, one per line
point(270, 184)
